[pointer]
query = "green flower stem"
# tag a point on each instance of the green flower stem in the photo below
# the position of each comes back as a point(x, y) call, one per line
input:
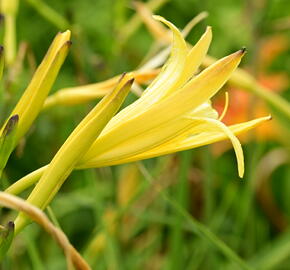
point(9, 9)
point(10, 39)
point(26, 181)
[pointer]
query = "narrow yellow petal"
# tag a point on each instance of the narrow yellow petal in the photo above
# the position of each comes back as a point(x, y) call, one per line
point(196, 55)
point(160, 58)
point(33, 98)
point(75, 146)
point(85, 93)
point(169, 76)
point(235, 142)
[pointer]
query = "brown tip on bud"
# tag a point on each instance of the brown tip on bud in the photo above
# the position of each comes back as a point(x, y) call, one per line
point(131, 81)
point(122, 76)
point(243, 50)
point(10, 226)
point(69, 43)
point(1, 50)
point(12, 122)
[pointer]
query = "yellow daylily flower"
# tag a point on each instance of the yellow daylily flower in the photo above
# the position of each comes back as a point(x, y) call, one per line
point(173, 105)
point(174, 113)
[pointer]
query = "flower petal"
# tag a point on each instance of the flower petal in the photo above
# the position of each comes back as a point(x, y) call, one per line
point(196, 55)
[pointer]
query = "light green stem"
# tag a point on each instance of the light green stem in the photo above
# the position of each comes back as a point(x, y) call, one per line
point(26, 181)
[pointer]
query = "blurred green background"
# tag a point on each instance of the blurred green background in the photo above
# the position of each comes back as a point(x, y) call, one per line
point(251, 216)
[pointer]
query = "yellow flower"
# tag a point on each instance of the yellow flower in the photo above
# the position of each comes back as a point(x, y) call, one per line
point(174, 113)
